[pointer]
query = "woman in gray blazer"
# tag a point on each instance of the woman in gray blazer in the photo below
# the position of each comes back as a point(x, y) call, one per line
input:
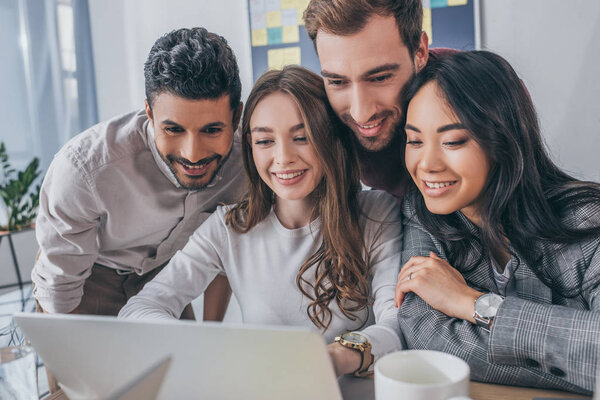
point(501, 249)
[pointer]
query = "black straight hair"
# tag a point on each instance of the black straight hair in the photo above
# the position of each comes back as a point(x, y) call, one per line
point(526, 196)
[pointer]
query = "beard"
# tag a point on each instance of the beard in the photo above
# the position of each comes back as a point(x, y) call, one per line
point(381, 141)
point(195, 182)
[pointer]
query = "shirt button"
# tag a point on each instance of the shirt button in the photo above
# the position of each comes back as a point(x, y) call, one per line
point(557, 372)
point(531, 363)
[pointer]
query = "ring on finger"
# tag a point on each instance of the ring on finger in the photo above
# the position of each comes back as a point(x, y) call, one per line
point(409, 276)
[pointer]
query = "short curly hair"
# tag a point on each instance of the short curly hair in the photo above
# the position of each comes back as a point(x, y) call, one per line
point(193, 64)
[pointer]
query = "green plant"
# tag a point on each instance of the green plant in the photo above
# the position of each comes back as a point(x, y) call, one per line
point(21, 202)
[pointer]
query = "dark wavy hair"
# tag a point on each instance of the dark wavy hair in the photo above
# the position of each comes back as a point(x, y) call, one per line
point(193, 64)
point(340, 266)
point(526, 196)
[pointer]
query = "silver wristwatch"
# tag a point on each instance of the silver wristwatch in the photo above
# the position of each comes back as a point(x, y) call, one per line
point(486, 307)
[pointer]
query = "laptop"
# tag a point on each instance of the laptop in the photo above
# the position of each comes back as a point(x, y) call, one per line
point(94, 356)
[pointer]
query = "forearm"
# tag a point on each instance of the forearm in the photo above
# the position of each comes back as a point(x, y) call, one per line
point(216, 299)
point(423, 327)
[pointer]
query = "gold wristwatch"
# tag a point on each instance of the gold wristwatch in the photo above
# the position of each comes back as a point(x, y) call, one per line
point(358, 342)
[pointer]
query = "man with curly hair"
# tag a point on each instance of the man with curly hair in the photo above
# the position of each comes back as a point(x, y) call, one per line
point(122, 197)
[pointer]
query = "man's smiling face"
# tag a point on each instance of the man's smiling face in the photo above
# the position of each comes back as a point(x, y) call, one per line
point(365, 73)
point(194, 137)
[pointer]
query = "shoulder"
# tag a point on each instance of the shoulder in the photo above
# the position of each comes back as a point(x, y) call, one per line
point(106, 142)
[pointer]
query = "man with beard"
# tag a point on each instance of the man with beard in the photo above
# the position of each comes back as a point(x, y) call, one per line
point(369, 50)
point(122, 197)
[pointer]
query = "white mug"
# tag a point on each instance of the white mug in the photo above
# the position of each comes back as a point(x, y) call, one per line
point(421, 375)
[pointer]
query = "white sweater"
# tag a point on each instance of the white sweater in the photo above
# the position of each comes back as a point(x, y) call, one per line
point(262, 265)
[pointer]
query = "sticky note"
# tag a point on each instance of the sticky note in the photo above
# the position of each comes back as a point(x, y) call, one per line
point(272, 5)
point(289, 17)
point(291, 34)
point(457, 2)
point(273, 19)
point(259, 37)
point(427, 27)
point(275, 35)
point(439, 3)
point(426, 3)
point(291, 55)
point(275, 58)
point(258, 20)
point(300, 16)
point(288, 4)
point(257, 6)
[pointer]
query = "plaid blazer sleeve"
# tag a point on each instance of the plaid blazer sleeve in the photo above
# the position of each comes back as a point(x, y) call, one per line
point(516, 352)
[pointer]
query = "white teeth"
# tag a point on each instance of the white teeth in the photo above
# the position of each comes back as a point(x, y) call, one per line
point(371, 126)
point(194, 166)
point(290, 175)
point(438, 185)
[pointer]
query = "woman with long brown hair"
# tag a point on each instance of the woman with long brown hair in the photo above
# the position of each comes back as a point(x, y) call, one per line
point(305, 247)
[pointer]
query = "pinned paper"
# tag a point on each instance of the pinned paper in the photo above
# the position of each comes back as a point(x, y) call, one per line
point(257, 6)
point(289, 17)
point(439, 3)
point(426, 3)
point(273, 19)
point(278, 58)
point(427, 26)
point(457, 2)
point(275, 35)
point(258, 20)
point(259, 37)
point(272, 5)
point(291, 34)
point(275, 59)
point(288, 4)
point(291, 56)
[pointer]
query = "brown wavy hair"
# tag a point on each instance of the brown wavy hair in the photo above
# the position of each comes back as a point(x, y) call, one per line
point(340, 266)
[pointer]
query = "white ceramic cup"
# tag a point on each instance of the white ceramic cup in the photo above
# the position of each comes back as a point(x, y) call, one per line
point(421, 375)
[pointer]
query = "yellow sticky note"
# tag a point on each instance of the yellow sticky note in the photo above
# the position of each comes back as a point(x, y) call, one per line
point(291, 55)
point(273, 19)
point(288, 4)
point(427, 24)
point(457, 2)
point(275, 58)
point(301, 6)
point(259, 37)
point(291, 34)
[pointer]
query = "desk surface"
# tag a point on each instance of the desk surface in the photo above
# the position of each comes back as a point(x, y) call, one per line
point(356, 388)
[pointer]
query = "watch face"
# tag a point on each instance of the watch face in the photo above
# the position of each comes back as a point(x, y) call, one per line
point(487, 305)
point(354, 337)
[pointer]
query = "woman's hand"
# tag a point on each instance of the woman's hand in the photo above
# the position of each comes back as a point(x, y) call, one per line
point(345, 360)
point(439, 284)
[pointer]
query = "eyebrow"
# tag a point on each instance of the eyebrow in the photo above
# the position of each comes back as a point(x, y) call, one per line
point(444, 128)
point(267, 129)
point(373, 71)
point(215, 124)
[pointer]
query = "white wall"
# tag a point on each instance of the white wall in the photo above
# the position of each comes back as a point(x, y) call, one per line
point(554, 45)
point(123, 32)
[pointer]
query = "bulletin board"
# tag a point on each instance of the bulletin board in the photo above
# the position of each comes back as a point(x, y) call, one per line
point(278, 36)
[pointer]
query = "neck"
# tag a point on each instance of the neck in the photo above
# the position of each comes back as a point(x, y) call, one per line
point(293, 214)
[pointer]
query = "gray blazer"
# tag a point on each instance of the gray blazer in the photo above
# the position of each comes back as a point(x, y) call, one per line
point(539, 338)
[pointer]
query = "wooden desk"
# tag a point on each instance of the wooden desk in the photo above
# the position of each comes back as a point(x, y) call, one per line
point(479, 391)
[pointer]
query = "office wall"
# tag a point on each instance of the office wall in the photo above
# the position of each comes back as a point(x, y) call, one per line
point(554, 45)
point(123, 32)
